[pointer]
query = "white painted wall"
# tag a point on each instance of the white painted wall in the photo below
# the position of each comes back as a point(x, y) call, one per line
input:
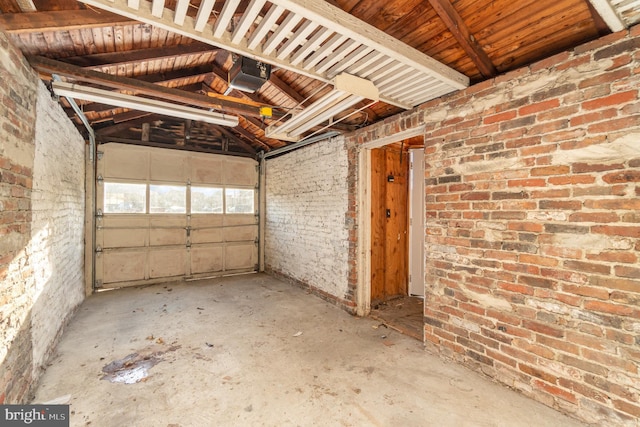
point(57, 232)
point(306, 237)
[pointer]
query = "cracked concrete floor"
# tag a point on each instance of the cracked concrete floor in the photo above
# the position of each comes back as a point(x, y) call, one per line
point(252, 351)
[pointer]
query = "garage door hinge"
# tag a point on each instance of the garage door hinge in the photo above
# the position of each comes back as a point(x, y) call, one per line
point(98, 284)
point(100, 179)
point(100, 154)
point(98, 249)
point(99, 213)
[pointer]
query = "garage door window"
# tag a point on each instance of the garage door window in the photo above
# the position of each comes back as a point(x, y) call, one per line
point(168, 199)
point(206, 200)
point(125, 198)
point(239, 200)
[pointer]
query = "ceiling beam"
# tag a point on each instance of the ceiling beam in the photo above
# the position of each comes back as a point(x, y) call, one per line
point(247, 147)
point(607, 14)
point(173, 147)
point(166, 77)
point(111, 59)
point(461, 33)
point(50, 66)
point(60, 20)
point(320, 13)
point(285, 89)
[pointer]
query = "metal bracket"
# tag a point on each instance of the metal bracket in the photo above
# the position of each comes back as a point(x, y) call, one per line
point(100, 155)
point(98, 284)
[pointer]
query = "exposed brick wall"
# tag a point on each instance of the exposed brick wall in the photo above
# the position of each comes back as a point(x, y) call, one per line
point(24, 275)
point(533, 228)
point(305, 234)
point(57, 230)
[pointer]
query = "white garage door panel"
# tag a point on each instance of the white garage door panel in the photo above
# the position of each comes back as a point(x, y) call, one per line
point(125, 238)
point(239, 257)
point(125, 162)
point(170, 167)
point(167, 236)
point(123, 266)
point(125, 221)
point(206, 171)
point(207, 235)
point(147, 247)
point(206, 259)
point(200, 221)
point(241, 233)
point(240, 172)
point(235, 219)
point(167, 263)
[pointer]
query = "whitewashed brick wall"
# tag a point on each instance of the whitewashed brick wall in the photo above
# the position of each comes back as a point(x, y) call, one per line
point(57, 230)
point(306, 237)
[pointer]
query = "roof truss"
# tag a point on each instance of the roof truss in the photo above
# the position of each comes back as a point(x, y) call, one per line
point(313, 38)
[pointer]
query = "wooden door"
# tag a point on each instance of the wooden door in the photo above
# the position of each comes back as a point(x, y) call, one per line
point(389, 222)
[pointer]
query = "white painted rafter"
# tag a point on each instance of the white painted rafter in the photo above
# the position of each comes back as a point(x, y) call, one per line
point(608, 13)
point(311, 40)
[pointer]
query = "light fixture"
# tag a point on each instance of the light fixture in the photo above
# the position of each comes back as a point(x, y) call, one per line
point(347, 91)
point(117, 99)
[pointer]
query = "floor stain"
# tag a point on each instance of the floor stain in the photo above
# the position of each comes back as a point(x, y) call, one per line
point(134, 367)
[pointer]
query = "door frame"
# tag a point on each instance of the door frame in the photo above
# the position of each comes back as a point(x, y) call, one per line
point(363, 200)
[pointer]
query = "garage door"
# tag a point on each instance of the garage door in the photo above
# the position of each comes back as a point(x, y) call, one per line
point(167, 214)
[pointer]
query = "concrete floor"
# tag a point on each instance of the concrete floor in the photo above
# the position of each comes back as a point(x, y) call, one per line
point(252, 351)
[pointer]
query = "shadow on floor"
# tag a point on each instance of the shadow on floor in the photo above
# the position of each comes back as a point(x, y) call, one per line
point(403, 314)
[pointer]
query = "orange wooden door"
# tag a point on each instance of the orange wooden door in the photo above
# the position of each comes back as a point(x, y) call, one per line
point(389, 222)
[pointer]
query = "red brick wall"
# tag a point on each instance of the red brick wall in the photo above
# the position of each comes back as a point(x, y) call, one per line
point(17, 150)
point(533, 227)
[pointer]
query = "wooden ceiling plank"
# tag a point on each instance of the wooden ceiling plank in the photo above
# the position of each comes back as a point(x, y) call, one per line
point(226, 14)
point(296, 40)
point(265, 26)
point(278, 35)
point(157, 8)
point(47, 65)
point(204, 13)
point(248, 18)
point(461, 32)
point(59, 20)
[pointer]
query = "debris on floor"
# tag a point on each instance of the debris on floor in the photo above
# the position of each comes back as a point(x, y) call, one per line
point(297, 334)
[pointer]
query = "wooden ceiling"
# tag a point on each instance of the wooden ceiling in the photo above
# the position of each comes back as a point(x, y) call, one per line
point(478, 39)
